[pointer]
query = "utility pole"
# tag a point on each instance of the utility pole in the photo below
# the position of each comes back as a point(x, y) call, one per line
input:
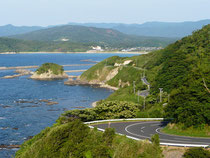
point(134, 86)
point(138, 95)
point(144, 102)
point(161, 94)
point(168, 97)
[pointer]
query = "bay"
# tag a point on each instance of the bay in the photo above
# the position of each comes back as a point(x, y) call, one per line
point(23, 108)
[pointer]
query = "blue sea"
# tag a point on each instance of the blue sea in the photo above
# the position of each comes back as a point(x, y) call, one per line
point(23, 114)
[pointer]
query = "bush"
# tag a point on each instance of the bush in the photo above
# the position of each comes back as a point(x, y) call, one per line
point(197, 153)
point(105, 110)
point(155, 140)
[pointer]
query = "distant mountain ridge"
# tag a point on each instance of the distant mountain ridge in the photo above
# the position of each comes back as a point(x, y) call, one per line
point(84, 34)
point(9, 30)
point(157, 29)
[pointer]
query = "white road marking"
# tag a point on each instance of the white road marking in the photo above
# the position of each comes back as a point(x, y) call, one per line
point(155, 125)
point(181, 139)
point(126, 129)
point(142, 127)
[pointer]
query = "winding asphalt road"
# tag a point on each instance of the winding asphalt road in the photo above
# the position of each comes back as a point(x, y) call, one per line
point(144, 130)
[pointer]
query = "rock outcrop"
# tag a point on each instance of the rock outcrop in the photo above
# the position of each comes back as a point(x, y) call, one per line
point(48, 76)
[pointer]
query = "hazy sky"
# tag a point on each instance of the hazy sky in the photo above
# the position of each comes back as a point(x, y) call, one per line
point(51, 12)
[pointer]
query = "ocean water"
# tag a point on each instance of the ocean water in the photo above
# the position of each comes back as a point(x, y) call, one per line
point(22, 111)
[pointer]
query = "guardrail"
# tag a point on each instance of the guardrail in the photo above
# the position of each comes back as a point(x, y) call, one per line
point(131, 119)
point(143, 119)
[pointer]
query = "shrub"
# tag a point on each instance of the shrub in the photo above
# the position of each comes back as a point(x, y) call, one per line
point(105, 110)
point(197, 153)
point(155, 140)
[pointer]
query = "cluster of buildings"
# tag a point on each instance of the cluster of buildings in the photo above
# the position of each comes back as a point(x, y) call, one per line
point(135, 49)
point(146, 49)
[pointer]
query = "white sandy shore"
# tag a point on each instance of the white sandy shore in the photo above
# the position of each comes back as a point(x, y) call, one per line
point(89, 52)
point(94, 104)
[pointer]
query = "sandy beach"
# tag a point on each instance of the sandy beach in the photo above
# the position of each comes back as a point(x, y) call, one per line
point(88, 52)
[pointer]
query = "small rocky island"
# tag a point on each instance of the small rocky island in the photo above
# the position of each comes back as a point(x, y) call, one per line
point(49, 71)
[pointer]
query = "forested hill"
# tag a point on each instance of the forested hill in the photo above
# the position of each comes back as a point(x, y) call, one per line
point(82, 34)
point(17, 45)
point(185, 74)
point(181, 69)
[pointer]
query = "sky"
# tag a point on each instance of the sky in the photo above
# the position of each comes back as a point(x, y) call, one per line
point(54, 12)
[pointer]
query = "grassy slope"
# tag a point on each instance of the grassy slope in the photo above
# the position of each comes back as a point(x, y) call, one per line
point(192, 132)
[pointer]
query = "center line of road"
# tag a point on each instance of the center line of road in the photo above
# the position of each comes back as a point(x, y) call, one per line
point(142, 127)
point(154, 125)
point(181, 139)
point(168, 140)
point(142, 131)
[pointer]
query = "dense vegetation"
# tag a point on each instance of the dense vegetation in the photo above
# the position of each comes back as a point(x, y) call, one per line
point(185, 75)
point(54, 68)
point(75, 140)
point(17, 45)
point(104, 110)
point(181, 69)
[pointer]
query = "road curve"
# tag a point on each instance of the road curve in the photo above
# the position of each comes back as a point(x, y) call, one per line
point(144, 130)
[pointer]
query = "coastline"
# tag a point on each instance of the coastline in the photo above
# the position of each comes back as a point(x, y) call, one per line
point(88, 52)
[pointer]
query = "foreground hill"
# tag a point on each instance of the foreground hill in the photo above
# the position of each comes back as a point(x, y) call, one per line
point(82, 34)
point(157, 29)
point(9, 30)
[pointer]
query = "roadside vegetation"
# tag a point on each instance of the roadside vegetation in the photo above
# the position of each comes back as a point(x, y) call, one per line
point(180, 129)
point(196, 153)
point(76, 140)
point(103, 111)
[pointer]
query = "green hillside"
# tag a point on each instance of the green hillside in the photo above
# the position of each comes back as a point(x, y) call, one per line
point(76, 140)
point(181, 69)
point(104, 37)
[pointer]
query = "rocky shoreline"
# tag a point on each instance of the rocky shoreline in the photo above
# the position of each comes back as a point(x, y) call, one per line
point(48, 76)
point(78, 81)
point(72, 82)
point(21, 72)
